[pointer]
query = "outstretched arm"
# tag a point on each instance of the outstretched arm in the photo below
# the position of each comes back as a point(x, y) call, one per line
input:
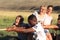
point(18, 29)
point(51, 26)
point(21, 29)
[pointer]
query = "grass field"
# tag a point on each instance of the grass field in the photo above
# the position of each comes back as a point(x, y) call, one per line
point(7, 18)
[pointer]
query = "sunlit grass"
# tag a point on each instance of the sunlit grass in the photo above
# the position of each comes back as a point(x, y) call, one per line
point(7, 18)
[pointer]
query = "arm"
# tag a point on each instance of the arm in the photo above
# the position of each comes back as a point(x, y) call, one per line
point(21, 29)
point(51, 26)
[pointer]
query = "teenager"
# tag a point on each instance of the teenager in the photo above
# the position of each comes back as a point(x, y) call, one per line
point(19, 22)
point(36, 28)
point(48, 21)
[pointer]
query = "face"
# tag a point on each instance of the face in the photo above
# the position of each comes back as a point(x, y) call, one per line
point(17, 19)
point(32, 22)
point(49, 10)
point(43, 9)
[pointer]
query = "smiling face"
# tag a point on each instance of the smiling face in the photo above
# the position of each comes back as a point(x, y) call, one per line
point(19, 19)
point(43, 9)
point(49, 10)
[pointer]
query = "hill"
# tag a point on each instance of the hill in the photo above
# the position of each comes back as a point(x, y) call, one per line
point(26, 4)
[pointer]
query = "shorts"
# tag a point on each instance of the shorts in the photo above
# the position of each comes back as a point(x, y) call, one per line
point(46, 30)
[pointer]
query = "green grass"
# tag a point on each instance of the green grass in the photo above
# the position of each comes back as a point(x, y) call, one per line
point(7, 18)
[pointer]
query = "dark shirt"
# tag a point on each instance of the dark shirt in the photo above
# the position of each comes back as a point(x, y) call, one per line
point(22, 36)
point(58, 25)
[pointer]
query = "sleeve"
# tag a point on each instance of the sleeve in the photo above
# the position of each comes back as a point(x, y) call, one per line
point(27, 26)
point(35, 13)
point(37, 28)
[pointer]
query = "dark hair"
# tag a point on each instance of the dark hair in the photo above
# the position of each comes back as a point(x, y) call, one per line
point(58, 17)
point(21, 19)
point(50, 6)
point(31, 17)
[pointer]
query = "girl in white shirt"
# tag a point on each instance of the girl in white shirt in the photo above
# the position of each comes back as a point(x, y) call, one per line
point(48, 21)
point(44, 18)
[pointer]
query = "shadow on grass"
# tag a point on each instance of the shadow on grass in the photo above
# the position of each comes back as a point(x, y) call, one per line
point(8, 38)
point(55, 37)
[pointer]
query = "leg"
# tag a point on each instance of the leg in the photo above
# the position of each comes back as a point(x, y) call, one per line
point(49, 37)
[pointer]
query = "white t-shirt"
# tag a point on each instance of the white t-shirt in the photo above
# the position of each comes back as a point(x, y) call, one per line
point(48, 20)
point(39, 31)
point(39, 19)
point(36, 14)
